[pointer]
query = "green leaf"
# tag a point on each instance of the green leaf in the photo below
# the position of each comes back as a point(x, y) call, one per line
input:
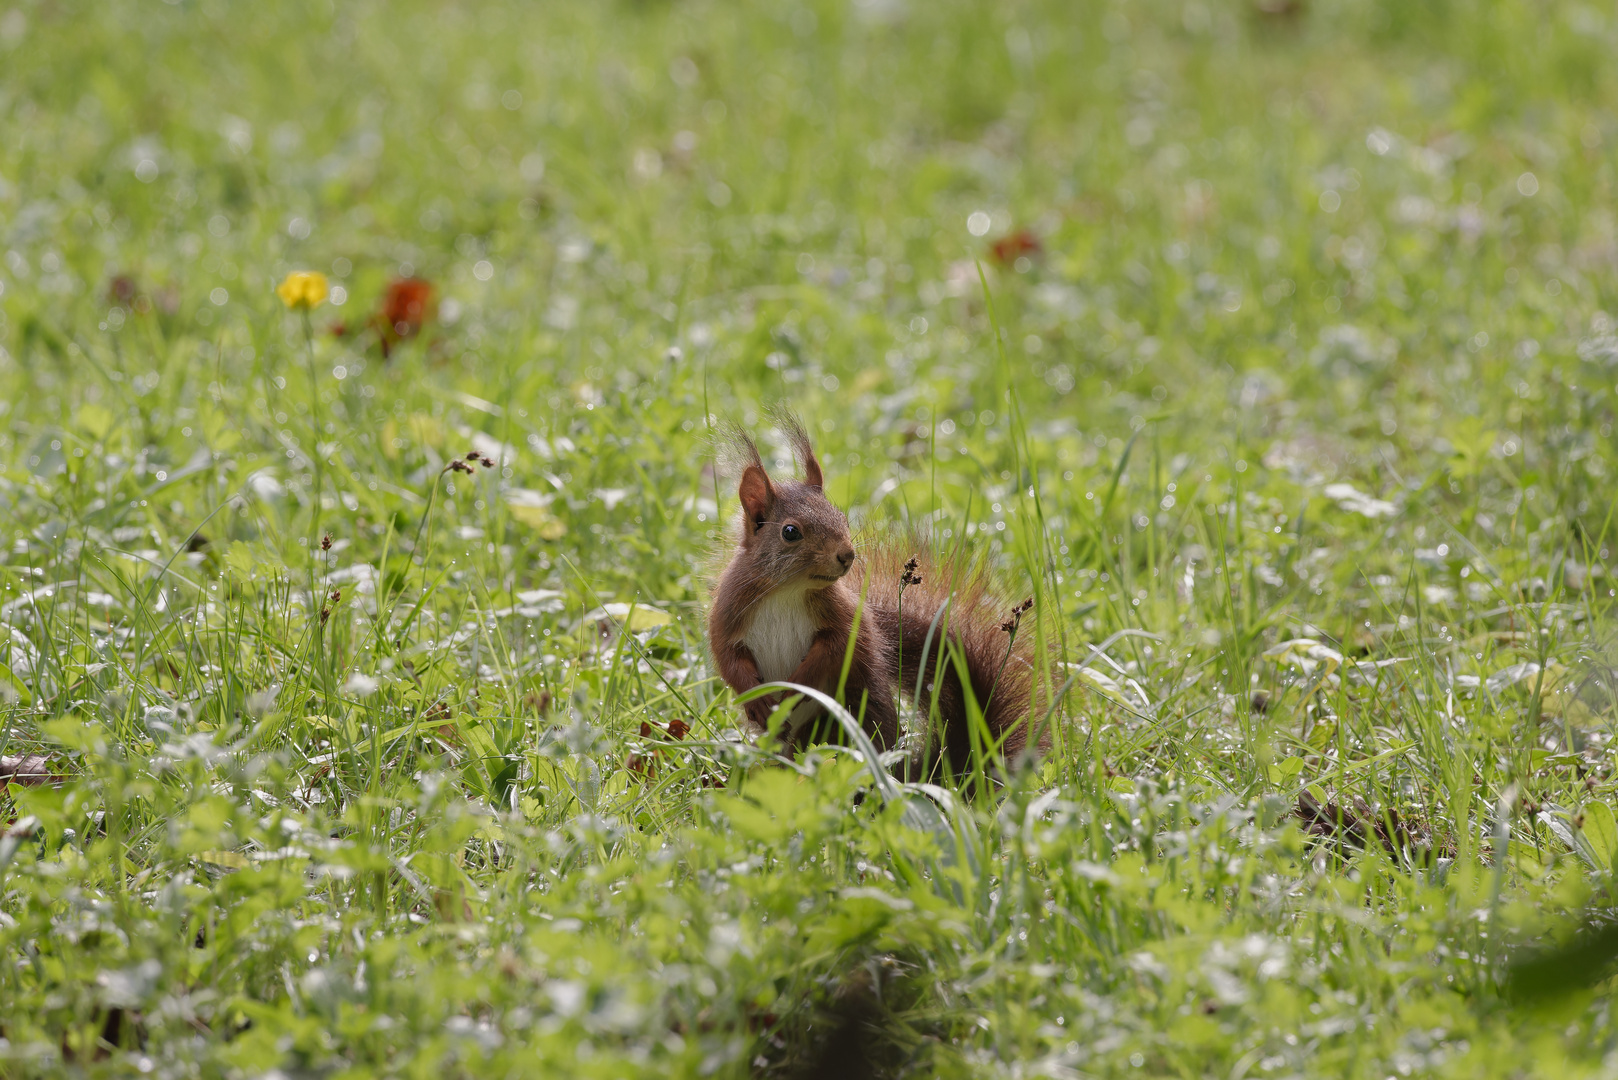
point(1600, 832)
point(75, 734)
point(1323, 736)
point(540, 519)
point(94, 420)
point(1282, 772)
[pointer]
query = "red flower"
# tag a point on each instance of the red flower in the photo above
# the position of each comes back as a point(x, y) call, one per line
point(1013, 246)
point(406, 307)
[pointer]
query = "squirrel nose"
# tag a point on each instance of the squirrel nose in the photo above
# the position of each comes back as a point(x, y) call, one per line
point(846, 557)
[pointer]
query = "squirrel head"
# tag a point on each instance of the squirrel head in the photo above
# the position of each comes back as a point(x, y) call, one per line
point(789, 529)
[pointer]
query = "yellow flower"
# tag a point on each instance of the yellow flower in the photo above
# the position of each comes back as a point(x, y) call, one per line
point(302, 289)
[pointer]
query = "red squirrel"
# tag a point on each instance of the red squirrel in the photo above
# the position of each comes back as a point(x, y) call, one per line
point(784, 608)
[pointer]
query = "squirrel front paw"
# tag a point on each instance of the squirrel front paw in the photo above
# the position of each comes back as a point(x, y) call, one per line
point(757, 724)
point(758, 713)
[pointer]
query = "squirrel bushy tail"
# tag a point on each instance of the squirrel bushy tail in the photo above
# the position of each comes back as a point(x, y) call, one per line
point(978, 630)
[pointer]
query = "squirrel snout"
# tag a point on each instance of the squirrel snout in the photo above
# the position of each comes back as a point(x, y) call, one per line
point(846, 557)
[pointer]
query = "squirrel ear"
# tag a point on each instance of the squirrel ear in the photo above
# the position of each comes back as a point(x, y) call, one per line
point(811, 469)
point(758, 497)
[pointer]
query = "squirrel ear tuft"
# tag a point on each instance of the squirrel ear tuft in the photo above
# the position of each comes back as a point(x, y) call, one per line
point(758, 497)
point(798, 436)
point(811, 469)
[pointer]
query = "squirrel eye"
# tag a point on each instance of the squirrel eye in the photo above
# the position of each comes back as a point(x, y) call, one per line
point(791, 534)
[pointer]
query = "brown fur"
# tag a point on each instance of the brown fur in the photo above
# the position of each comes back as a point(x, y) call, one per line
point(999, 668)
point(760, 588)
point(764, 563)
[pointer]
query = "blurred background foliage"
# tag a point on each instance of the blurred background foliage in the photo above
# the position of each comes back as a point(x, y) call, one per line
point(1287, 387)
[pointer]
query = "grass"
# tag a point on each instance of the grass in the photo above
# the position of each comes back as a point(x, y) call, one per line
point(1294, 412)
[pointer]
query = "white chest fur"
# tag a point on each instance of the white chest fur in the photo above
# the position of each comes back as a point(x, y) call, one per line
point(780, 635)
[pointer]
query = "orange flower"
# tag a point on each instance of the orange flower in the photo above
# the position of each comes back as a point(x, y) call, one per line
point(406, 307)
point(1013, 246)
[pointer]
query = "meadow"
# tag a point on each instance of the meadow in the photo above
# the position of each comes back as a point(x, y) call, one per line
point(1271, 346)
